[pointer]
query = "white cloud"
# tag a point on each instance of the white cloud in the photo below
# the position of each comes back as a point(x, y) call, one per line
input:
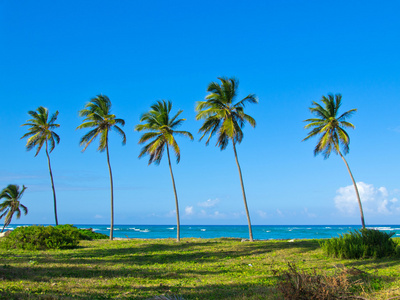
point(309, 214)
point(373, 200)
point(208, 203)
point(279, 212)
point(262, 214)
point(98, 217)
point(171, 213)
point(189, 210)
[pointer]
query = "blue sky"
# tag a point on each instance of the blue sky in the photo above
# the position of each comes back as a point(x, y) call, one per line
point(60, 54)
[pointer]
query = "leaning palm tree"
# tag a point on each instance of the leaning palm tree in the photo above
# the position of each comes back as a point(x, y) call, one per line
point(41, 133)
point(160, 131)
point(11, 204)
point(97, 114)
point(331, 129)
point(226, 118)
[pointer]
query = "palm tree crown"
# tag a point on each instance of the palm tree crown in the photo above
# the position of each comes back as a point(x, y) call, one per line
point(41, 130)
point(222, 115)
point(12, 195)
point(97, 114)
point(161, 131)
point(330, 126)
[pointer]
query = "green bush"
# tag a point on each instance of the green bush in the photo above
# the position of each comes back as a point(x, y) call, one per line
point(85, 234)
point(42, 238)
point(361, 243)
point(89, 234)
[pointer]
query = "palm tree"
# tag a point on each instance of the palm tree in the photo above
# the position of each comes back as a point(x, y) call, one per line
point(11, 204)
point(224, 117)
point(331, 130)
point(160, 132)
point(97, 114)
point(41, 133)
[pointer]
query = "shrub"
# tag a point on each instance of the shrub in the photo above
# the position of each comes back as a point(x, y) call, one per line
point(89, 234)
point(86, 234)
point(361, 244)
point(42, 238)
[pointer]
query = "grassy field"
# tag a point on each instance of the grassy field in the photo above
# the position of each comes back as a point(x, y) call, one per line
point(192, 269)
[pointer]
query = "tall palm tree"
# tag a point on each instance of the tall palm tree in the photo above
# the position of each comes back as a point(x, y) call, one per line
point(41, 133)
point(97, 115)
point(226, 118)
point(160, 131)
point(11, 204)
point(331, 129)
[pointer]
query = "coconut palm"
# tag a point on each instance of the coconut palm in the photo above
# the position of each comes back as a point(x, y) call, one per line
point(11, 204)
point(159, 129)
point(41, 133)
point(97, 115)
point(331, 129)
point(226, 118)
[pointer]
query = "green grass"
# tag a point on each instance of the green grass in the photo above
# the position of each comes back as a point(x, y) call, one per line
point(193, 269)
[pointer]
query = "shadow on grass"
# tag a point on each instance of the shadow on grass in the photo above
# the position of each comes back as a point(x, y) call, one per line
point(214, 291)
point(205, 251)
point(148, 252)
point(48, 274)
point(377, 263)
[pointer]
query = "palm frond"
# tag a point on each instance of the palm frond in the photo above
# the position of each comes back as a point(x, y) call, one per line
point(252, 99)
point(121, 133)
point(103, 140)
point(346, 115)
point(184, 133)
point(148, 136)
point(177, 151)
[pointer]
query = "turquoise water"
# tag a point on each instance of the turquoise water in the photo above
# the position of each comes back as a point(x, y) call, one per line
point(260, 232)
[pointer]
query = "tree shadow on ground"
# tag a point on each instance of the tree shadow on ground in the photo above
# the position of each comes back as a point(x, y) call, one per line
point(214, 291)
point(147, 253)
point(192, 251)
point(375, 263)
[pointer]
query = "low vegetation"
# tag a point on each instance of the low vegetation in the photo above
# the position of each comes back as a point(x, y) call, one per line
point(85, 234)
point(47, 237)
point(192, 269)
point(361, 243)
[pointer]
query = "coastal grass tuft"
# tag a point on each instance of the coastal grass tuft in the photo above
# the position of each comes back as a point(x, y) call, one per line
point(193, 269)
point(361, 243)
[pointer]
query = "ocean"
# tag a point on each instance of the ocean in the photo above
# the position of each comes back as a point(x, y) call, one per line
point(260, 232)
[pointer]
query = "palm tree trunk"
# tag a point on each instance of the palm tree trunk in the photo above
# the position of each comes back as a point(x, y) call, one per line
point(52, 185)
point(112, 194)
point(7, 221)
point(178, 237)
point(244, 194)
point(357, 194)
